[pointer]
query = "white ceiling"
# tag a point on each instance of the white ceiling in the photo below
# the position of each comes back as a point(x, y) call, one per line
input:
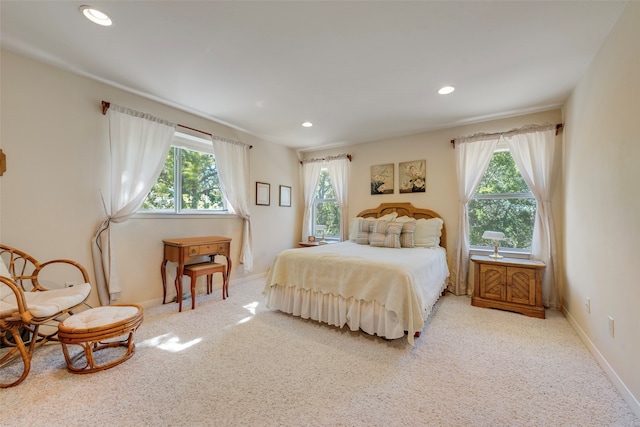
point(359, 70)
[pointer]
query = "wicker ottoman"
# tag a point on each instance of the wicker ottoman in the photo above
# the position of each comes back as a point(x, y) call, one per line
point(97, 329)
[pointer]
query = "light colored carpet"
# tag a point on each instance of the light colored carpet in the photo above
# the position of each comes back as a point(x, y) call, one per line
point(236, 363)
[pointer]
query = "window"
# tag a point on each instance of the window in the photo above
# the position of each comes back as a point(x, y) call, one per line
point(325, 208)
point(502, 202)
point(190, 171)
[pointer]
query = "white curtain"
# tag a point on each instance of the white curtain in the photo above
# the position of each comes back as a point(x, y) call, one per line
point(472, 159)
point(338, 168)
point(139, 146)
point(310, 176)
point(232, 161)
point(534, 154)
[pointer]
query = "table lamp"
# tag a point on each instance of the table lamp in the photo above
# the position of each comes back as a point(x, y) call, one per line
point(496, 237)
point(321, 228)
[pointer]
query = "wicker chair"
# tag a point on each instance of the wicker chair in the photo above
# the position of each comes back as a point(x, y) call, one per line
point(29, 312)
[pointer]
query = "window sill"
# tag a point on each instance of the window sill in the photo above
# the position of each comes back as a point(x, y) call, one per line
point(191, 215)
point(505, 252)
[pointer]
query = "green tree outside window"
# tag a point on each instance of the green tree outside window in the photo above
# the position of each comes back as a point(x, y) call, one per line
point(503, 202)
point(326, 210)
point(199, 185)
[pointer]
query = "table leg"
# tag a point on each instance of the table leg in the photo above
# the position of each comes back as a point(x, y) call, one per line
point(179, 271)
point(226, 281)
point(163, 273)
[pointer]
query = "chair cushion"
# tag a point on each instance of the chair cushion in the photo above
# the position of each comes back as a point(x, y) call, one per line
point(47, 303)
point(98, 317)
point(204, 266)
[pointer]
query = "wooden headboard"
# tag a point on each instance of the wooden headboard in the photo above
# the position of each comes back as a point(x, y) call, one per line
point(405, 209)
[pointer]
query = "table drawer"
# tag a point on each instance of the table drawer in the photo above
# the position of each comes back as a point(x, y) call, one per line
point(215, 248)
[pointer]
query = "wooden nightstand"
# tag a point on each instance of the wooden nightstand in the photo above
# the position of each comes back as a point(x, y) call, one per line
point(308, 244)
point(316, 243)
point(508, 284)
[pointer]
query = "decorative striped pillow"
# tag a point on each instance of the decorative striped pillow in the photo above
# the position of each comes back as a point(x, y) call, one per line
point(392, 238)
point(362, 226)
point(378, 232)
point(406, 236)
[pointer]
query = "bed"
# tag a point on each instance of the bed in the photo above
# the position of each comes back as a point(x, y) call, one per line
point(384, 281)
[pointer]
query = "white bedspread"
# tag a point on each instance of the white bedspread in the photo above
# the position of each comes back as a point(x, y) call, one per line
point(404, 282)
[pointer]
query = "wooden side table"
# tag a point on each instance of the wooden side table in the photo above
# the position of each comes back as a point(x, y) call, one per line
point(311, 244)
point(508, 284)
point(187, 249)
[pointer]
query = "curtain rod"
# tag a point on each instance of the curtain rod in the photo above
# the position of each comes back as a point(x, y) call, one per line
point(559, 127)
point(348, 156)
point(106, 105)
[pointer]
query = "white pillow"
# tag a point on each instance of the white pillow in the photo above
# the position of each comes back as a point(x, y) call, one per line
point(404, 219)
point(428, 232)
point(388, 217)
point(353, 228)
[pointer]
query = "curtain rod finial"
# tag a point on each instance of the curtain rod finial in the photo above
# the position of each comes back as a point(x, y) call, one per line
point(105, 107)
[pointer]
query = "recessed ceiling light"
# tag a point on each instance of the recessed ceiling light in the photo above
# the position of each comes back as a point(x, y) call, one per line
point(446, 90)
point(96, 16)
point(307, 124)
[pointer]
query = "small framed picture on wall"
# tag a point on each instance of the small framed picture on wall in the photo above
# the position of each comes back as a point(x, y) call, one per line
point(285, 196)
point(263, 191)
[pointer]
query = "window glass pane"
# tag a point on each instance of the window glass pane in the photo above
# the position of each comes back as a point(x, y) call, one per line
point(161, 196)
point(502, 202)
point(325, 209)
point(328, 214)
point(514, 217)
point(502, 176)
point(200, 185)
point(194, 176)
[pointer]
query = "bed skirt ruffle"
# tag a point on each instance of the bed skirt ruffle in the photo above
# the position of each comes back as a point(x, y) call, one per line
point(370, 317)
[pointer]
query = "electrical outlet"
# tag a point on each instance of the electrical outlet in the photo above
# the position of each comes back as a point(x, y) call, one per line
point(587, 305)
point(611, 328)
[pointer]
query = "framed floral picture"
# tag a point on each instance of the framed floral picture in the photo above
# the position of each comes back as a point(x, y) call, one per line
point(382, 179)
point(412, 176)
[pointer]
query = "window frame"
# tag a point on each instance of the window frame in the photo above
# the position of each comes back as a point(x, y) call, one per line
point(487, 249)
point(315, 205)
point(185, 141)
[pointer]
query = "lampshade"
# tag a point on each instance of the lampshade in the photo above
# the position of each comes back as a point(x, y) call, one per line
point(496, 236)
point(493, 235)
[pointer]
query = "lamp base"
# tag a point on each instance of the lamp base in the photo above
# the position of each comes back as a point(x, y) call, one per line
point(495, 254)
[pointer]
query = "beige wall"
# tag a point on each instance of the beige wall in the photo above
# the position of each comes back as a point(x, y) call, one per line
point(56, 141)
point(55, 138)
point(602, 205)
point(441, 193)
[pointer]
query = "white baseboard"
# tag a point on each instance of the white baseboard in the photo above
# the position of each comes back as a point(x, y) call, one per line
point(608, 369)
